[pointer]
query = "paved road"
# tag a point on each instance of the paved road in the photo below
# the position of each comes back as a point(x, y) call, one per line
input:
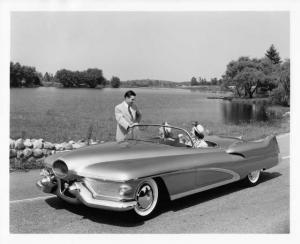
point(227, 209)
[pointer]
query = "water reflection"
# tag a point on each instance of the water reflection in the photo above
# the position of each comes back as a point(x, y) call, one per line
point(234, 112)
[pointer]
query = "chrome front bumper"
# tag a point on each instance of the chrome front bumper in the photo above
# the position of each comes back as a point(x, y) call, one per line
point(83, 195)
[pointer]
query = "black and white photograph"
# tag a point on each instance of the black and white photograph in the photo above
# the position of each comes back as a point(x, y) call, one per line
point(149, 121)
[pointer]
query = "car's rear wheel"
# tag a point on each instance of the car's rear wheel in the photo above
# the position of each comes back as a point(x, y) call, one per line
point(146, 197)
point(252, 178)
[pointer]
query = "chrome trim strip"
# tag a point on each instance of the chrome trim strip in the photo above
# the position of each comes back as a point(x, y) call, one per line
point(235, 177)
point(186, 171)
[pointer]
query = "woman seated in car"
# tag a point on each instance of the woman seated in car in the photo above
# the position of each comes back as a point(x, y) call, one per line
point(198, 136)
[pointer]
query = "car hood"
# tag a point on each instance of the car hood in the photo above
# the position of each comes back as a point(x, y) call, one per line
point(79, 159)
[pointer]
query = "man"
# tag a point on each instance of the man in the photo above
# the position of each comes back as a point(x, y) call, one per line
point(127, 115)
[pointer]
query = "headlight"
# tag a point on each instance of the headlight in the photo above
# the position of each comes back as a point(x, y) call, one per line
point(124, 189)
point(60, 169)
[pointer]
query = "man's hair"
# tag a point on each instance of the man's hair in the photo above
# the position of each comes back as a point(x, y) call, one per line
point(129, 94)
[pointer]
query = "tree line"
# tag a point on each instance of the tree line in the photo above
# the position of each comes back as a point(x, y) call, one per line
point(27, 76)
point(203, 82)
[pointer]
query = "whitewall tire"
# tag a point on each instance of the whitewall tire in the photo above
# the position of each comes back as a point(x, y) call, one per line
point(146, 197)
point(252, 178)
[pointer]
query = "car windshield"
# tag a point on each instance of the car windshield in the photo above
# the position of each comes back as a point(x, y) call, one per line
point(161, 134)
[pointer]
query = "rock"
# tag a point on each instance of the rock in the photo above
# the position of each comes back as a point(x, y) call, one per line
point(27, 152)
point(19, 144)
point(45, 152)
point(37, 153)
point(68, 146)
point(92, 142)
point(48, 152)
point(11, 144)
point(12, 162)
point(31, 160)
point(20, 154)
point(49, 145)
point(58, 147)
point(38, 144)
point(71, 142)
point(77, 145)
point(12, 153)
point(28, 143)
point(39, 162)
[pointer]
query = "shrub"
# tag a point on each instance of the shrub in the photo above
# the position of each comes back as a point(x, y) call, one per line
point(115, 82)
point(279, 96)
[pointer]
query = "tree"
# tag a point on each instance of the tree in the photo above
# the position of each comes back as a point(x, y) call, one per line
point(281, 94)
point(23, 76)
point(115, 82)
point(194, 81)
point(202, 81)
point(249, 79)
point(245, 74)
point(67, 78)
point(88, 78)
point(93, 77)
point(273, 55)
point(214, 81)
point(270, 72)
point(47, 77)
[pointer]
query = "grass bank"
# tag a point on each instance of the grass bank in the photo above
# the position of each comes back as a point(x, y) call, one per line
point(252, 131)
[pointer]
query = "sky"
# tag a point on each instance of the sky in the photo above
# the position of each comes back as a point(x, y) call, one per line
point(172, 46)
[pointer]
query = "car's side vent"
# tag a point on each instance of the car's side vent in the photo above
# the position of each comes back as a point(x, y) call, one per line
point(237, 154)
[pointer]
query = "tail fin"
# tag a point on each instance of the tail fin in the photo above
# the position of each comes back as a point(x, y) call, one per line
point(251, 148)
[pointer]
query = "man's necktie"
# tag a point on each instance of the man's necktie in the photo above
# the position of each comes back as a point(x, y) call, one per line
point(129, 110)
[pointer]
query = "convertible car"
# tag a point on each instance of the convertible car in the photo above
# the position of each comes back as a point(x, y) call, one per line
point(148, 167)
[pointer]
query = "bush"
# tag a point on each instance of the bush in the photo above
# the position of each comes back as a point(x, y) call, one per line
point(115, 82)
point(88, 78)
point(279, 96)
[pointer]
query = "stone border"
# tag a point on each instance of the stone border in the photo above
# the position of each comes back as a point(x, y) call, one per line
point(29, 153)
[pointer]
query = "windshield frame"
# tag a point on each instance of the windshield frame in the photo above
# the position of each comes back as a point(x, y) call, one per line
point(158, 126)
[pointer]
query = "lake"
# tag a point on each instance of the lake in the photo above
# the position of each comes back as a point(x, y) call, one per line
point(65, 114)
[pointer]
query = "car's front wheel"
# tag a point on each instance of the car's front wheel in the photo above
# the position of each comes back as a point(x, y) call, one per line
point(146, 197)
point(252, 178)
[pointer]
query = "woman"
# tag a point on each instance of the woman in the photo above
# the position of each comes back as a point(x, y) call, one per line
point(198, 136)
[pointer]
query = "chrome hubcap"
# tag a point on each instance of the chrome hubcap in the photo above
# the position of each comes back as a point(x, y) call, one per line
point(145, 198)
point(253, 176)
